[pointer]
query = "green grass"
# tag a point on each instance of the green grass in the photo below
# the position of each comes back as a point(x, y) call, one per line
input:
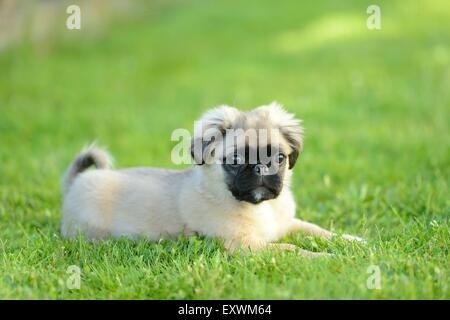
point(376, 162)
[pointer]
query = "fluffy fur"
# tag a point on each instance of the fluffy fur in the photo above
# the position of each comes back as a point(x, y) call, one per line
point(159, 203)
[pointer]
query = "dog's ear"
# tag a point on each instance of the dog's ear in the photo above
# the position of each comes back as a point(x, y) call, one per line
point(203, 150)
point(293, 133)
point(209, 130)
point(294, 155)
point(290, 128)
point(197, 148)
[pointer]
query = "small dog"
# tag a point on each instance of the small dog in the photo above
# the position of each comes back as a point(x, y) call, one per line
point(224, 195)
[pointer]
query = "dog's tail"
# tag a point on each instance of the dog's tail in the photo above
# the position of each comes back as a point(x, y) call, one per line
point(91, 155)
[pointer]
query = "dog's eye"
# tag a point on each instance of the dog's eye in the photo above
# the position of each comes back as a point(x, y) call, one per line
point(280, 157)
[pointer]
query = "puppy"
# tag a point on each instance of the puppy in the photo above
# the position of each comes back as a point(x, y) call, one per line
point(234, 192)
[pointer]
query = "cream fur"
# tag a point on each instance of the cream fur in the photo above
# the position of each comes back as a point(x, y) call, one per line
point(158, 203)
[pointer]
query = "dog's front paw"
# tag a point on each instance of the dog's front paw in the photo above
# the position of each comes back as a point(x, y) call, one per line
point(354, 238)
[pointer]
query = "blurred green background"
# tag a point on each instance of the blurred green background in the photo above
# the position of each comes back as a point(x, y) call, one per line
point(375, 105)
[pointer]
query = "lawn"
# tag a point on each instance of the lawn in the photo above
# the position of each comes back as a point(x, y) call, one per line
point(376, 163)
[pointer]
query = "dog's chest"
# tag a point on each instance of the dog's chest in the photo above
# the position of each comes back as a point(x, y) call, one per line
point(257, 222)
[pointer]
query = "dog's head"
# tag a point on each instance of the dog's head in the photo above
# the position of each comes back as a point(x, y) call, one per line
point(254, 149)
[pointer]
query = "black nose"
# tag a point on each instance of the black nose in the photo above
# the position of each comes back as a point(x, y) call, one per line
point(260, 169)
